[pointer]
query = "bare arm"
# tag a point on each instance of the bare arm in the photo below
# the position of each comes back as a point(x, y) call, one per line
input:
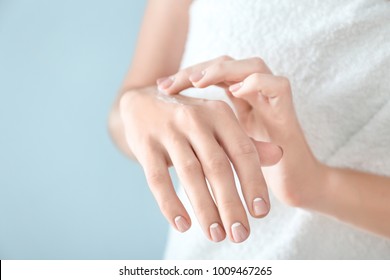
point(359, 198)
point(158, 53)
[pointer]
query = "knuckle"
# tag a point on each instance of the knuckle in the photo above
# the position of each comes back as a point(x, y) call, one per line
point(258, 63)
point(224, 58)
point(285, 84)
point(189, 166)
point(218, 164)
point(218, 67)
point(183, 73)
point(229, 205)
point(255, 77)
point(203, 209)
point(172, 135)
point(174, 140)
point(245, 148)
point(144, 148)
point(220, 106)
point(147, 144)
point(186, 112)
point(155, 177)
point(192, 119)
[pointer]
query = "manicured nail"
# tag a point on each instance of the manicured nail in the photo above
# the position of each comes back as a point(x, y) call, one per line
point(216, 232)
point(166, 83)
point(239, 232)
point(260, 208)
point(195, 77)
point(235, 87)
point(181, 224)
point(160, 80)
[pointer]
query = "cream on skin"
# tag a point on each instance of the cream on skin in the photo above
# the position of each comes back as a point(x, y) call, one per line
point(160, 134)
point(158, 56)
point(195, 136)
point(161, 95)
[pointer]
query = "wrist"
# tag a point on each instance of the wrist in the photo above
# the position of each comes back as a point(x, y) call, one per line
point(331, 192)
point(321, 188)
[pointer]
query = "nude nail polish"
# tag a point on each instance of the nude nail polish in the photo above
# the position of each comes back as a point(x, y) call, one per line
point(216, 232)
point(235, 87)
point(181, 224)
point(160, 80)
point(197, 76)
point(166, 83)
point(239, 232)
point(260, 208)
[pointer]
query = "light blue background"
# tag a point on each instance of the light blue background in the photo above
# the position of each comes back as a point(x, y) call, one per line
point(65, 191)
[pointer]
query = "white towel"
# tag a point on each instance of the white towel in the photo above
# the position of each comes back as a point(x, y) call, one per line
point(337, 57)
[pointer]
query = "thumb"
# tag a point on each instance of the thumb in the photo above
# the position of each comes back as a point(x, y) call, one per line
point(269, 154)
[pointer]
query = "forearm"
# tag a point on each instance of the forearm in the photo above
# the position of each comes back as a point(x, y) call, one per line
point(158, 53)
point(358, 198)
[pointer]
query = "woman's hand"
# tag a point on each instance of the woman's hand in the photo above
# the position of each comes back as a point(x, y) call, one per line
point(223, 72)
point(199, 138)
point(264, 107)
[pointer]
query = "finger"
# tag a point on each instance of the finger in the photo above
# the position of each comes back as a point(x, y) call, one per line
point(259, 87)
point(245, 159)
point(218, 171)
point(157, 175)
point(191, 176)
point(228, 72)
point(271, 99)
point(269, 154)
point(241, 106)
point(180, 81)
point(245, 114)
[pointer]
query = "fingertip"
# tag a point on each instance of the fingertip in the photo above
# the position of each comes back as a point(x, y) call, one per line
point(239, 232)
point(182, 224)
point(235, 87)
point(165, 83)
point(260, 208)
point(196, 77)
point(216, 232)
point(160, 80)
point(169, 91)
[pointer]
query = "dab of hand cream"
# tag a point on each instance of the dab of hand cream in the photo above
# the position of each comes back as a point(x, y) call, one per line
point(168, 98)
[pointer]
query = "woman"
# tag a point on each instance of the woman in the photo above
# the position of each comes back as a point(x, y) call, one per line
point(322, 131)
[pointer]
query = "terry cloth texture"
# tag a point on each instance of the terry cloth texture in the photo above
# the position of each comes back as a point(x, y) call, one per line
point(337, 57)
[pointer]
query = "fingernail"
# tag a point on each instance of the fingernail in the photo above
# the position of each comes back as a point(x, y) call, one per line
point(160, 80)
point(260, 208)
point(181, 224)
point(195, 77)
point(166, 83)
point(235, 87)
point(239, 232)
point(216, 232)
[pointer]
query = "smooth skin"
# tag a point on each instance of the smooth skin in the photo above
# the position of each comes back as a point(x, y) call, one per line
point(139, 116)
point(266, 111)
point(198, 137)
